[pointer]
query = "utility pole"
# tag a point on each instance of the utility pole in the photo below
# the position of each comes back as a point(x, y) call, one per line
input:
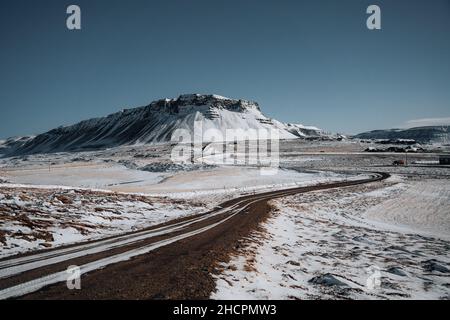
point(406, 155)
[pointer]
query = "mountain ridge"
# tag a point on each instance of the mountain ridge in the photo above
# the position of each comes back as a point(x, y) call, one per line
point(156, 122)
point(425, 134)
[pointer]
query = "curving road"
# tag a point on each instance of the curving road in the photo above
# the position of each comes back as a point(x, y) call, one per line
point(174, 260)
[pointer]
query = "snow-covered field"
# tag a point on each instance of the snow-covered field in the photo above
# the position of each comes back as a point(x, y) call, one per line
point(56, 199)
point(378, 241)
point(91, 175)
point(422, 205)
point(146, 171)
point(41, 216)
point(384, 240)
point(38, 218)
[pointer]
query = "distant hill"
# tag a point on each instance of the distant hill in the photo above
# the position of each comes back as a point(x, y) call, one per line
point(430, 134)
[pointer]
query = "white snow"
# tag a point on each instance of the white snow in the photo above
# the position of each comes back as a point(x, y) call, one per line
point(36, 218)
point(89, 175)
point(324, 237)
point(423, 205)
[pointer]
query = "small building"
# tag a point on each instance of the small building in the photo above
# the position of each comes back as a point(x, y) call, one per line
point(444, 159)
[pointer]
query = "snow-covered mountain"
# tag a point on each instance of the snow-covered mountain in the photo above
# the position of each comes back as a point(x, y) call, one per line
point(157, 122)
point(11, 144)
point(430, 134)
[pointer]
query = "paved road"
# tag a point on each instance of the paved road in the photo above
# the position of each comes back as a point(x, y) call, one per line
point(174, 260)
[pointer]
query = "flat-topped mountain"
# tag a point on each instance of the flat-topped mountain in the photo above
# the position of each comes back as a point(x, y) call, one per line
point(157, 122)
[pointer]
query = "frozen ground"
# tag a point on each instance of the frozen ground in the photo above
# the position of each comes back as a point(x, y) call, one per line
point(392, 235)
point(54, 199)
point(380, 241)
point(41, 216)
point(83, 175)
point(37, 218)
point(146, 170)
point(422, 205)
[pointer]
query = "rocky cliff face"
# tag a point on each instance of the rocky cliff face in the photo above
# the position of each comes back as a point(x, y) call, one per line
point(189, 102)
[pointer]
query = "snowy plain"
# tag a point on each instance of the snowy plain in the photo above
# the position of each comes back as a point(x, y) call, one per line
point(64, 198)
point(387, 240)
point(350, 243)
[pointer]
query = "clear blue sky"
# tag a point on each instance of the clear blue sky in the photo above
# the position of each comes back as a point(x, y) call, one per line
point(311, 62)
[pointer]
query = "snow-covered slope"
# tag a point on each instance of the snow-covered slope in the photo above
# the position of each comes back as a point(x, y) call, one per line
point(11, 144)
point(430, 134)
point(157, 122)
